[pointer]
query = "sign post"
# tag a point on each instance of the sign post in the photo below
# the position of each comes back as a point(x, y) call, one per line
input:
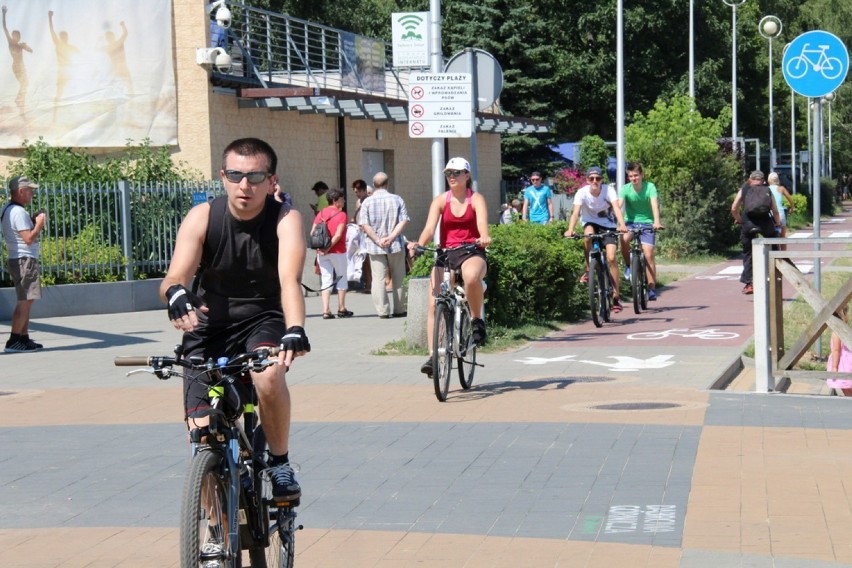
point(815, 64)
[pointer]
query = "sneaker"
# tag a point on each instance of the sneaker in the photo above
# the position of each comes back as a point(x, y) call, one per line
point(21, 346)
point(616, 306)
point(584, 279)
point(426, 368)
point(748, 289)
point(652, 295)
point(284, 484)
point(32, 343)
point(479, 334)
point(627, 274)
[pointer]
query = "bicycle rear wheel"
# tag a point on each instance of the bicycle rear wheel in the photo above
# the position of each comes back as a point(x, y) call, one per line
point(467, 351)
point(636, 283)
point(595, 292)
point(204, 534)
point(281, 552)
point(442, 350)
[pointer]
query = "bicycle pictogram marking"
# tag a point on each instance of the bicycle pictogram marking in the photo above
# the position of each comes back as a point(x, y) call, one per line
point(709, 333)
point(817, 60)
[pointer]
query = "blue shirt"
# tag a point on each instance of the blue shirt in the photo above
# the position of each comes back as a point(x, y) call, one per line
point(537, 210)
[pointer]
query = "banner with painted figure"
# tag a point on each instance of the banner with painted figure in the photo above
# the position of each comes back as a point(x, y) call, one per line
point(362, 62)
point(87, 73)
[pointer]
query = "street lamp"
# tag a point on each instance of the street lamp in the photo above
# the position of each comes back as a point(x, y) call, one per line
point(770, 28)
point(734, 4)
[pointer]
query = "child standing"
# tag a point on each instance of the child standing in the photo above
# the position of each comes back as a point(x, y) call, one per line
point(840, 359)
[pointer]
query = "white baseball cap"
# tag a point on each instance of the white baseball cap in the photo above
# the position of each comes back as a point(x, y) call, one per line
point(458, 164)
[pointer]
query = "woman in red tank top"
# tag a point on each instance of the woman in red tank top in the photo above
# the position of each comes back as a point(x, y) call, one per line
point(461, 215)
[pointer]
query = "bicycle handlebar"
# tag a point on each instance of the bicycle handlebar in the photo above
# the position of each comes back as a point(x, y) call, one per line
point(418, 250)
point(595, 235)
point(160, 362)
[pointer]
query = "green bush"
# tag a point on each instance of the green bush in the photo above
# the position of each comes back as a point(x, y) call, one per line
point(533, 274)
point(800, 216)
point(86, 249)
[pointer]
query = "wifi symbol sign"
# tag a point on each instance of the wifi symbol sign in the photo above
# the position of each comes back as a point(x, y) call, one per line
point(410, 23)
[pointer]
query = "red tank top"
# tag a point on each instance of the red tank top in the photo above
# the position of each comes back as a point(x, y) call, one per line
point(458, 230)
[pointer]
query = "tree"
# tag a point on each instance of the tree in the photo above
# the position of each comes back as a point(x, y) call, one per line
point(695, 179)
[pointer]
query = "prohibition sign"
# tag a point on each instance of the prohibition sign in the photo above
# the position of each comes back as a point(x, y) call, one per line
point(417, 128)
point(417, 92)
point(417, 111)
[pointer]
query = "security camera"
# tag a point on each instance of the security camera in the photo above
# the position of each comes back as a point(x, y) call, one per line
point(223, 17)
point(222, 61)
point(217, 57)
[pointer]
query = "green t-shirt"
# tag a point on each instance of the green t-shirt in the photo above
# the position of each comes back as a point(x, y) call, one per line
point(637, 204)
point(322, 202)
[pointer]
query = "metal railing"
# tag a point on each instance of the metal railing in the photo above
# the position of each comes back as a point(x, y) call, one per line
point(277, 49)
point(774, 364)
point(110, 231)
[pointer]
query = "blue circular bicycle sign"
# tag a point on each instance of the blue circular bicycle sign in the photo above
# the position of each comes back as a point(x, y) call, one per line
point(815, 63)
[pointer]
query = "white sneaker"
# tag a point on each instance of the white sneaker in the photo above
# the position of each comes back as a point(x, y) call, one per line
point(627, 274)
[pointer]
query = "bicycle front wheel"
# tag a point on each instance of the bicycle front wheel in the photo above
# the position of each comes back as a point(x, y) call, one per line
point(596, 292)
point(204, 534)
point(636, 283)
point(467, 351)
point(643, 281)
point(442, 350)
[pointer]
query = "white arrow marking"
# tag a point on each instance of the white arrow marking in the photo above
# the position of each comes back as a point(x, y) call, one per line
point(544, 360)
point(634, 364)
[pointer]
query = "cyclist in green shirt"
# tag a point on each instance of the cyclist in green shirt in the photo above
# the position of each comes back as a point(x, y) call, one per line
point(641, 210)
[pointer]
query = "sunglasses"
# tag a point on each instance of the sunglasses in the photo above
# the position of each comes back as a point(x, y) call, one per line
point(454, 173)
point(535, 179)
point(595, 178)
point(254, 178)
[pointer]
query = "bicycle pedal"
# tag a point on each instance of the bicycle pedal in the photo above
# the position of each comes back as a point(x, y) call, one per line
point(284, 504)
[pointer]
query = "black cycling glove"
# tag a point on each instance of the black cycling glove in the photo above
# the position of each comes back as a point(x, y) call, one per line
point(295, 340)
point(181, 302)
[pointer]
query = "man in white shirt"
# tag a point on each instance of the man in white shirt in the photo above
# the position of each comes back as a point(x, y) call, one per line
point(597, 208)
point(21, 233)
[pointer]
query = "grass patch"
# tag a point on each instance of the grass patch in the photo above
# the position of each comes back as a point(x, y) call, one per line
point(499, 339)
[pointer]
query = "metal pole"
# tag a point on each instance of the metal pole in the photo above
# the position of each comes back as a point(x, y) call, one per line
point(793, 138)
point(734, 75)
point(436, 63)
point(619, 97)
point(692, 49)
point(830, 176)
point(816, 158)
point(470, 55)
point(771, 122)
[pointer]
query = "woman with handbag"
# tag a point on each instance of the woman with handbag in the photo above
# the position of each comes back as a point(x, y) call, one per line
point(332, 260)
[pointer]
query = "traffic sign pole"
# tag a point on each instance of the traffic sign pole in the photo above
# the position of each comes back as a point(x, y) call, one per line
point(474, 162)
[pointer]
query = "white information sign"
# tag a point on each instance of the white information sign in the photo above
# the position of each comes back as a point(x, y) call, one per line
point(410, 32)
point(440, 105)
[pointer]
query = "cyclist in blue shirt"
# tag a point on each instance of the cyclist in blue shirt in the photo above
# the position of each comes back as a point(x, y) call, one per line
point(538, 201)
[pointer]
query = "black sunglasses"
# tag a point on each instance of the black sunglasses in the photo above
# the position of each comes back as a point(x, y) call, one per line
point(254, 178)
point(454, 173)
point(595, 178)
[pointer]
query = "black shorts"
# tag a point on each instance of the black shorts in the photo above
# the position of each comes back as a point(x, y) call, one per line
point(607, 240)
point(455, 258)
point(262, 330)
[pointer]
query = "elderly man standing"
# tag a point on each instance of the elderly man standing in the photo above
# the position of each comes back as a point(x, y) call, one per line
point(383, 217)
point(21, 233)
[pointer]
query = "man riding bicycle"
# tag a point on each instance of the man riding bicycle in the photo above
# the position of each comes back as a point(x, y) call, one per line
point(251, 250)
point(642, 211)
point(463, 217)
point(599, 211)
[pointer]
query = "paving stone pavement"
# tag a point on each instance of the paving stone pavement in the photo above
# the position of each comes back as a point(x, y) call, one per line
point(586, 448)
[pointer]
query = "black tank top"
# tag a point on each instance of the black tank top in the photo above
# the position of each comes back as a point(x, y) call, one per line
point(239, 274)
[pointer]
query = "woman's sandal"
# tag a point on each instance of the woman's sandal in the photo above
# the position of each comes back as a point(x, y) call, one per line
point(344, 314)
point(328, 316)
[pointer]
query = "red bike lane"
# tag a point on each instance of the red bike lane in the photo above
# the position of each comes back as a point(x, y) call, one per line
point(706, 309)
